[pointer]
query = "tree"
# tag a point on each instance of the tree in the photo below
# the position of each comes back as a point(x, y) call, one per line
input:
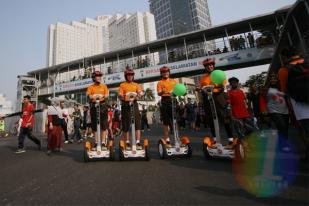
point(257, 79)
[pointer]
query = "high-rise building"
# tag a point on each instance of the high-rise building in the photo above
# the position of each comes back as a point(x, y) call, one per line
point(93, 36)
point(131, 29)
point(174, 17)
point(77, 40)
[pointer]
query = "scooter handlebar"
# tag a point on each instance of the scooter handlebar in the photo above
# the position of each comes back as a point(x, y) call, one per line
point(208, 89)
point(98, 96)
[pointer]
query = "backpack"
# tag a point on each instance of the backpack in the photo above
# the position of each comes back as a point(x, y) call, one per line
point(298, 82)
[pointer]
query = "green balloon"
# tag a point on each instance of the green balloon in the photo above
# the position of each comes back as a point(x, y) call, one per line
point(180, 90)
point(217, 76)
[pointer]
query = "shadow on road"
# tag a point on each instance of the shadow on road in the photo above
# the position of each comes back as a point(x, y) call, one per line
point(241, 193)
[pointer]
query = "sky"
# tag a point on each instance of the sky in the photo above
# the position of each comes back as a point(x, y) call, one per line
point(24, 23)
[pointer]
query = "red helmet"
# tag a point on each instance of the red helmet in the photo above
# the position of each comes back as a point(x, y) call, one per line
point(96, 74)
point(209, 61)
point(164, 69)
point(128, 71)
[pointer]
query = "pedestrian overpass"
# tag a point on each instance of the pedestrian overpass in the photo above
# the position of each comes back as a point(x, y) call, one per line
point(182, 53)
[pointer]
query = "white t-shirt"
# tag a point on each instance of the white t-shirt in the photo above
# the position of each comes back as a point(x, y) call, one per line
point(276, 102)
point(301, 109)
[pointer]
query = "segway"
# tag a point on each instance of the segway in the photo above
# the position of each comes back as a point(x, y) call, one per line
point(180, 147)
point(133, 151)
point(210, 148)
point(99, 152)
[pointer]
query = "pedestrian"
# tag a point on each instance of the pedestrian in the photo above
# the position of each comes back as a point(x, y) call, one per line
point(110, 114)
point(144, 119)
point(64, 122)
point(197, 118)
point(190, 113)
point(242, 121)
point(27, 125)
point(53, 126)
point(87, 122)
point(293, 80)
point(77, 118)
point(117, 120)
point(242, 42)
point(250, 40)
point(274, 104)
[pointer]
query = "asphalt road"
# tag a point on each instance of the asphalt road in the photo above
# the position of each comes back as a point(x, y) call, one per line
point(64, 179)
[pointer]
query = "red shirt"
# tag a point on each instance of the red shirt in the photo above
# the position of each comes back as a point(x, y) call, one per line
point(237, 101)
point(27, 114)
point(110, 114)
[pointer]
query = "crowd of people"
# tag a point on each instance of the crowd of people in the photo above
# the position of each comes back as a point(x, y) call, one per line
point(280, 103)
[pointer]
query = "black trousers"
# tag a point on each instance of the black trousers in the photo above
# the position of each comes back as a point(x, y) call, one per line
point(223, 117)
point(26, 132)
point(145, 122)
point(281, 122)
point(64, 127)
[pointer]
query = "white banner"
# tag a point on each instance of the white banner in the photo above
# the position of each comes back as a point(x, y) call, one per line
point(222, 60)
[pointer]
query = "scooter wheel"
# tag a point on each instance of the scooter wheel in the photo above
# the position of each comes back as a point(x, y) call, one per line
point(147, 155)
point(189, 155)
point(162, 150)
point(111, 154)
point(86, 158)
point(240, 152)
point(206, 153)
point(121, 155)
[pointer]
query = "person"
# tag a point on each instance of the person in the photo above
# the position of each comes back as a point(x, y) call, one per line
point(275, 105)
point(242, 42)
point(181, 116)
point(293, 80)
point(190, 113)
point(144, 118)
point(198, 118)
point(250, 40)
point(126, 87)
point(110, 114)
point(97, 88)
point(86, 122)
point(64, 122)
point(164, 89)
point(77, 118)
point(116, 120)
point(296, 87)
point(2, 127)
point(240, 113)
point(253, 101)
point(54, 126)
point(221, 102)
point(27, 126)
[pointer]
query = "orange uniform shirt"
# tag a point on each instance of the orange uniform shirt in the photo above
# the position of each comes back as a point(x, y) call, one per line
point(207, 81)
point(283, 75)
point(167, 85)
point(98, 89)
point(127, 87)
